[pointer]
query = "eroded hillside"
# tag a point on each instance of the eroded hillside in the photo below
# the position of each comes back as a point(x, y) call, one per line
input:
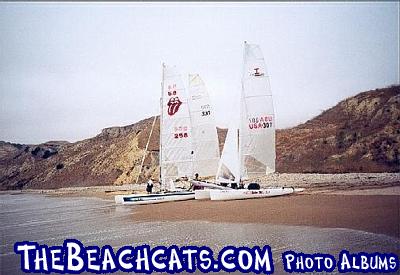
point(360, 134)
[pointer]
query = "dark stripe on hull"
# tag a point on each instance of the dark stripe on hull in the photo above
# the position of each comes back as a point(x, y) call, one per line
point(155, 197)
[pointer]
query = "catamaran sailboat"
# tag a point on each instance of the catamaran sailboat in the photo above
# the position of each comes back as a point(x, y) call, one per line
point(250, 150)
point(176, 153)
point(205, 138)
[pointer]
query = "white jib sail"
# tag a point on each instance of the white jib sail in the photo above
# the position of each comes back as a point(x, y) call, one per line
point(257, 127)
point(175, 129)
point(228, 167)
point(204, 130)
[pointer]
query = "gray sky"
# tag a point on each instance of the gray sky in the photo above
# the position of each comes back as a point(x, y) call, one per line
point(68, 70)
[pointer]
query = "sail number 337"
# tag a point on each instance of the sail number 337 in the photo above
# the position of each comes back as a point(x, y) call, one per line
point(260, 122)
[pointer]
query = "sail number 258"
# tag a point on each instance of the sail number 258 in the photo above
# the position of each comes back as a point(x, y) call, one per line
point(181, 132)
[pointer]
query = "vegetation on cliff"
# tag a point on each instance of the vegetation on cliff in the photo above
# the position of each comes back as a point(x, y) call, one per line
point(360, 134)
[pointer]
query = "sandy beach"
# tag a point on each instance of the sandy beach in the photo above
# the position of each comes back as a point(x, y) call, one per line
point(371, 213)
point(313, 183)
point(95, 221)
point(351, 211)
point(367, 202)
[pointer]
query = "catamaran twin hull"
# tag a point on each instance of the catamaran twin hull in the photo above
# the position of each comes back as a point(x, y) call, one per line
point(204, 194)
point(137, 199)
point(241, 194)
point(210, 185)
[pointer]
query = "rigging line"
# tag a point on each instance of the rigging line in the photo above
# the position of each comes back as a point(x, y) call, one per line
point(145, 151)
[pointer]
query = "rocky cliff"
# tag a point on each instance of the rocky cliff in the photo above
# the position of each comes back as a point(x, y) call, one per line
point(360, 134)
point(112, 157)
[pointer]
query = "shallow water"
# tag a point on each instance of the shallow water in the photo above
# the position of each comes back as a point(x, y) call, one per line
point(93, 221)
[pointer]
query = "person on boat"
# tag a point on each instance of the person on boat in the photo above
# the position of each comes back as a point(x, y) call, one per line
point(192, 185)
point(149, 187)
point(233, 183)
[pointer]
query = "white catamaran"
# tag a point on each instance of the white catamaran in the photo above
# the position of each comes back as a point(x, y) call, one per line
point(250, 150)
point(176, 143)
point(205, 138)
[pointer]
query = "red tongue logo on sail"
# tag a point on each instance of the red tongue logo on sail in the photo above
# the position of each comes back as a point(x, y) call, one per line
point(173, 105)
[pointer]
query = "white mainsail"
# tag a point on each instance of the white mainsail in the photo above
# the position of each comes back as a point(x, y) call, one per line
point(175, 129)
point(256, 152)
point(228, 167)
point(257, 123)
point(255, 155)
point(204, 130)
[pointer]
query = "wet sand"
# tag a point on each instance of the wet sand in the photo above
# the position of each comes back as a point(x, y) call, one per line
point(372, 213)
point(306, 222)
point(362, 201)
point(93, 221)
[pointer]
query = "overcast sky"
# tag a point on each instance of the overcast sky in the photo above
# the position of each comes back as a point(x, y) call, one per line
point(68, 70)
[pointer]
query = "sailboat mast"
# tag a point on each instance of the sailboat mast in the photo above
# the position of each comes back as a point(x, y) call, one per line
point(161, 121)
point(191, 132)
point(242, 110)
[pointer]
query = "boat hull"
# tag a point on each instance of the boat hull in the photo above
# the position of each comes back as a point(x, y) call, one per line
point(209, 185)
point(202, 194)
point(138, 199)
point(241, 194)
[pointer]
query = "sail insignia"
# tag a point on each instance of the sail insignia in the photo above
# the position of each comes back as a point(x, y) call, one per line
point(176, 132)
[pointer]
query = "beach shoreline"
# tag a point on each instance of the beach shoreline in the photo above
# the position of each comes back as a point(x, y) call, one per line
point(366, 202)
point(312, 183)
point(370, 213)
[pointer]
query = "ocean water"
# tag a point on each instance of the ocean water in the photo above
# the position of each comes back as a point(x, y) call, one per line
point(93, 221)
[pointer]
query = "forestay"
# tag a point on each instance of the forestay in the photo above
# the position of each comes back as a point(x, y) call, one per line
point(175, 128)
point(257, 127)
point(204, 130)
